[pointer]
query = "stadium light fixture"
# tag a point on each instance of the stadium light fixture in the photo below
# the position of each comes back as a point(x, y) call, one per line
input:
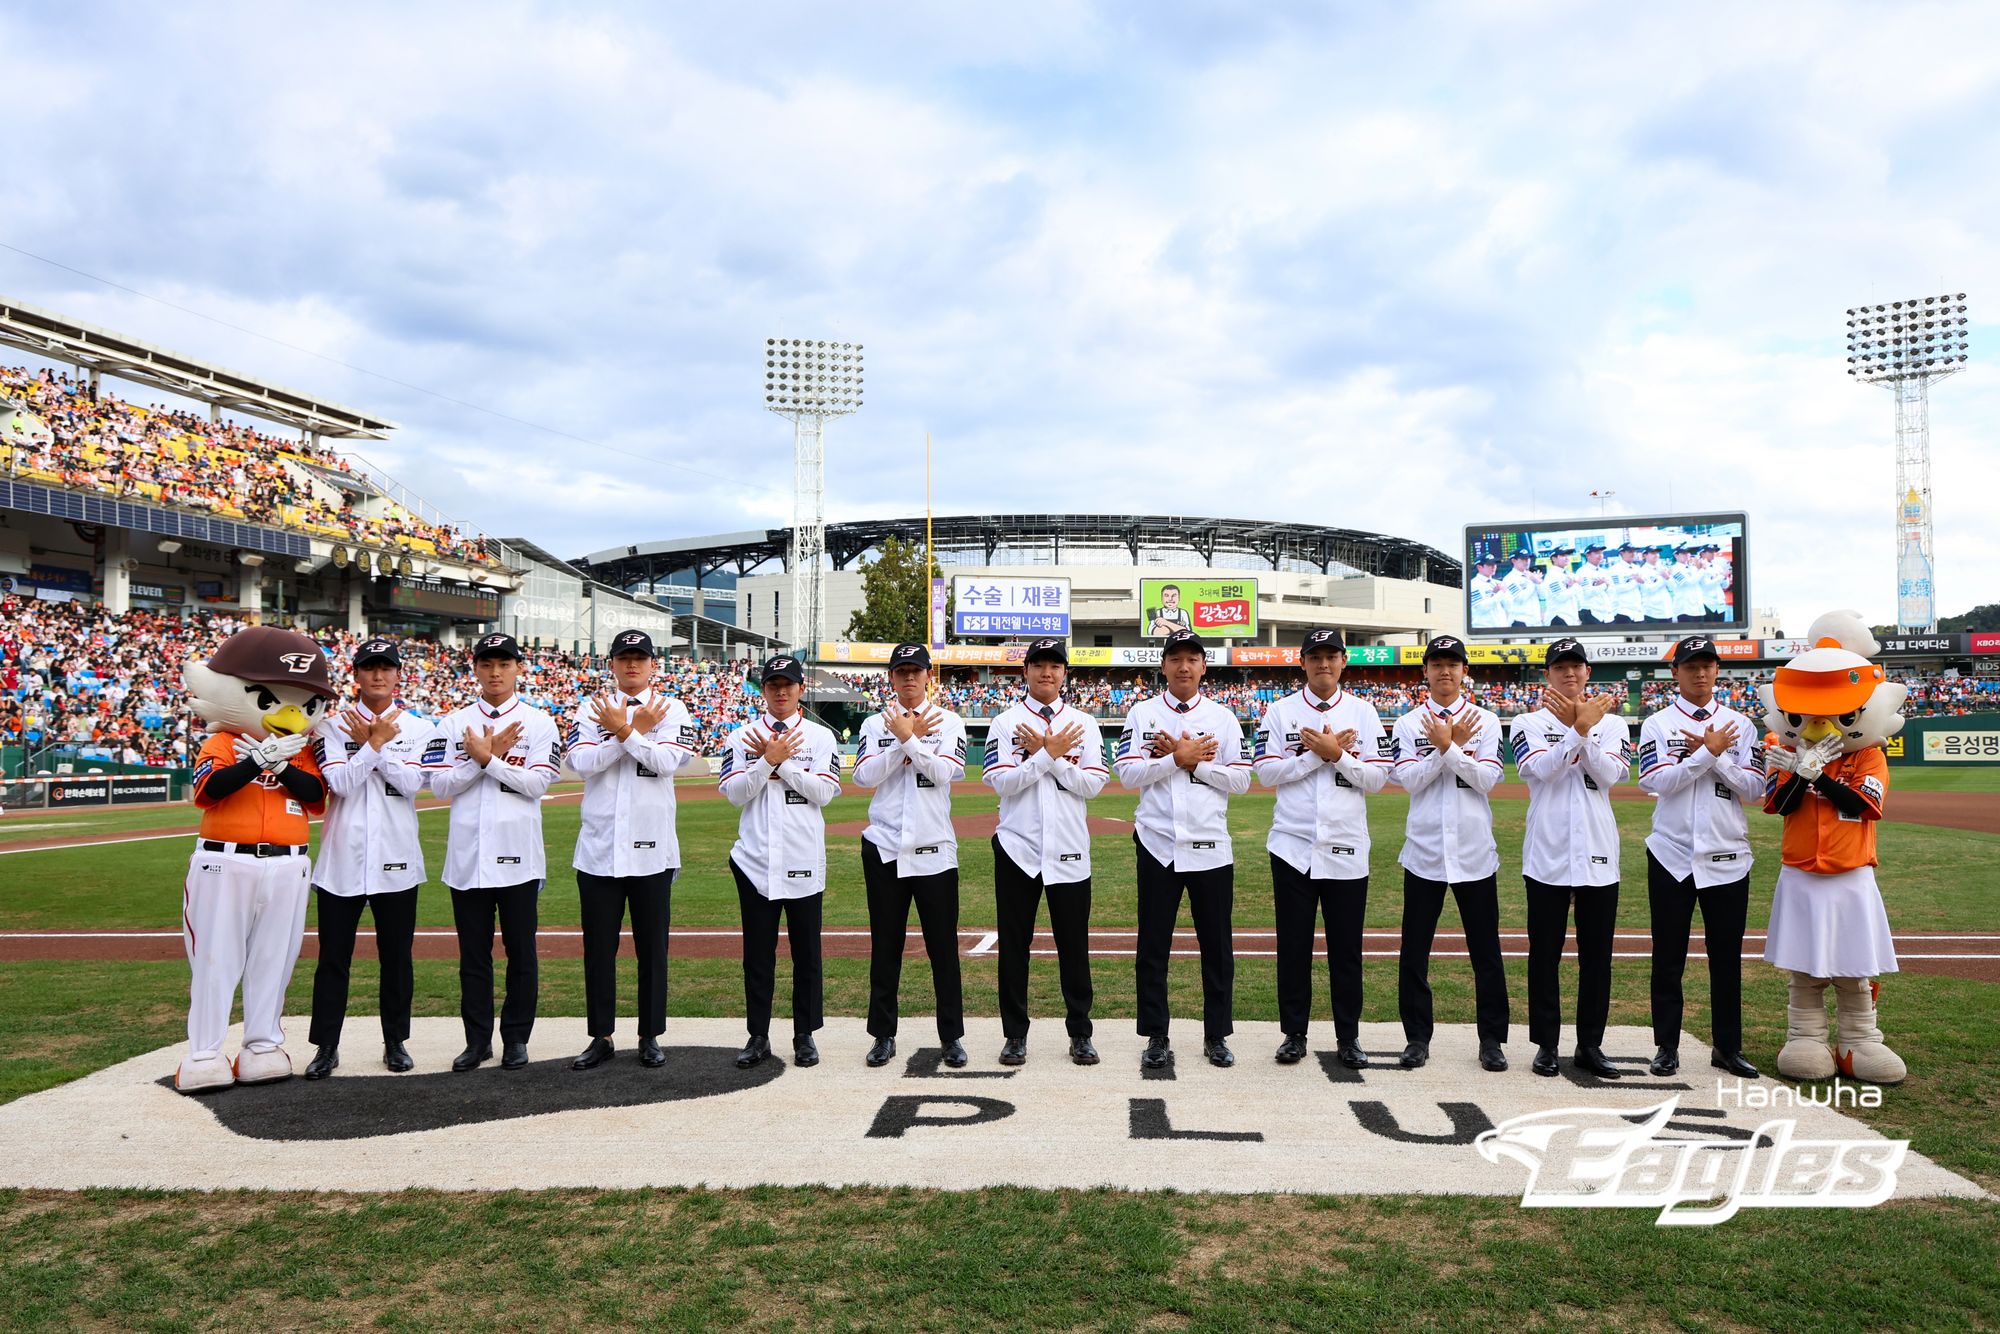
point(168, 546)
point(1905, 345)
point(808, 380)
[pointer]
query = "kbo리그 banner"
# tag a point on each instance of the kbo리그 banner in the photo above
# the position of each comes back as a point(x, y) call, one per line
point(1212, 608)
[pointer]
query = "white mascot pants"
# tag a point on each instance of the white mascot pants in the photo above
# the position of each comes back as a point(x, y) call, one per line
point(242, 918)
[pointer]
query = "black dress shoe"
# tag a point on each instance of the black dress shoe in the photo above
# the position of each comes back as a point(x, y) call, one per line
point(1733, 1062)
point(472, 1057)
point(513, 1055)
point(1545, 1063)
point(1591, 1060)
point(1415, 1055)
point(1014, 1051)
point(954, 1054)
point(1491, 1057)
point(1159, 1055)
point(1292, 1050)
point(804, 1050)
point(324, 1062)
point(1218, 1053)
point(1666, 1061)
point(596, 1054)
point(1352, 1056)
point(1082, 1052)
point(882, 1052)
point(397, 1057)
point(651, 1054)
point(755, 1050)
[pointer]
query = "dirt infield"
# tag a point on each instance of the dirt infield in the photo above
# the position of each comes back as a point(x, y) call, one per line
point(1956, 954)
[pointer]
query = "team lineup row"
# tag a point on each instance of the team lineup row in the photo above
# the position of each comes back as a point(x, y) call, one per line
point(1322, 750)
point(1692, 583)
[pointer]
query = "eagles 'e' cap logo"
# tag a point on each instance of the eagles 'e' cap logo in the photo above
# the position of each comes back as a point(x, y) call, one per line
point(298, 664)
point(490, 641)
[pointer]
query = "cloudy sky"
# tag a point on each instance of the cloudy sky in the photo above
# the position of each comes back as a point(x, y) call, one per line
point(1393, 267)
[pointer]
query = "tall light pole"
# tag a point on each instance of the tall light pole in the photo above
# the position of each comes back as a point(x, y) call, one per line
point(809, 380)
point(1906, 345)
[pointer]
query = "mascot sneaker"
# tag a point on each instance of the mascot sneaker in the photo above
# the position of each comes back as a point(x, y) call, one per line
point(262, 1067)
point(1862, 1054)
point(200, 1074)
point(1805, 1054)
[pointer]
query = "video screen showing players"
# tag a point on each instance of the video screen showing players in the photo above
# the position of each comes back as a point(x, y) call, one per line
point(1667, 572)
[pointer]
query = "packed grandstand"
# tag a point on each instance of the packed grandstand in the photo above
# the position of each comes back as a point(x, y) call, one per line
point(94, 685)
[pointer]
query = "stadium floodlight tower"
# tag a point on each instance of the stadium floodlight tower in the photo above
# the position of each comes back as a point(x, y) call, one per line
point(810, 380)
point(1906, 345)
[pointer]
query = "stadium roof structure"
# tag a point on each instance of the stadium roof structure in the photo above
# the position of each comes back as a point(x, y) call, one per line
point(1275, 544)
point(61, 339)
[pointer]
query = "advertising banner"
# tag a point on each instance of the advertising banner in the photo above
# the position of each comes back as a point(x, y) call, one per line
point(1358, 655)
point(1948, 739)
point(938, 604)
point(1983, 641)
point(1009, 606)
point(1212, 608)
point(60, 577)
point(1922, 644)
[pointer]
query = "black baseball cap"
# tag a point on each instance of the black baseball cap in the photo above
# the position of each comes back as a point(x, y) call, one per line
point(1053, 651)
point(1567, 650)
point(377, 650)
point(1562, 549)
point(783, 668)
point(909, 655)
point(1323, 641)
point(1184, 639)
point(1486, 558)
point(1594, 546)
point(1628, 546)
point(632, 641)
point(1447, 646)
point(496, 646)
point(1695, 646)
point(1521, 553)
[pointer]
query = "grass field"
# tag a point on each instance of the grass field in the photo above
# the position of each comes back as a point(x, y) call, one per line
point(998, 1258)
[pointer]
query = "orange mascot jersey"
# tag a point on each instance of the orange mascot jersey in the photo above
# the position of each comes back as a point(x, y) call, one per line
point(261, 811)
point(1819, 838)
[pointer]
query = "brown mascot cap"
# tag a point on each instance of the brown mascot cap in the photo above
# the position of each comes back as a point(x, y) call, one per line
point(268, 656)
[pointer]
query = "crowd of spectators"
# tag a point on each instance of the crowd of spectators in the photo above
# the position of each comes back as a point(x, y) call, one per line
point(183, 460)
point(108, 686)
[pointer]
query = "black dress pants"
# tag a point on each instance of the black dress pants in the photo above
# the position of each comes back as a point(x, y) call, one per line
point(1479, 913)
point(472, 911)
point(1211, 902)
point(395, 930)
point(603, 899)
point(760, 957)
point(889, 899)
point(1017, 898)
point(1548, 928)
point(1724, 909)
point(1298, 901)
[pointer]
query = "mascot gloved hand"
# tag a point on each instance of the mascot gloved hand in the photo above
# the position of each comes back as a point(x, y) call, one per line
point(243, 912)
point(1830, 709)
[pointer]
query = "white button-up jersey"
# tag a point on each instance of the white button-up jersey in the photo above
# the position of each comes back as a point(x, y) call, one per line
point(1560, 592)
point(1685, 582)
point(1699, 828)
point(781, 833)
point(1489, 603)
point(1712, 580)
point(1572, 837)
point(1044, 827)
point(1449, 832)
point(1319, 824)
point(1524, 598)
point(909, 817)
point(627, 826)
point(1598, 596)
point(1183, 815)
point(1656, 598)
point(1625, 600)
point(369, 843)
point(495, 838)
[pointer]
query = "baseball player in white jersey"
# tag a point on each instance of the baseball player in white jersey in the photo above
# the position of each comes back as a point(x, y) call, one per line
point(1489, 602)
point(1522, 591)
point(1626, 605)
point(910, 754)
point(1685, 581)
point(1656, 598)
point(1045, 760)
point(1322, 750)
point(628, 743)
point(1714, 578)
point(780, 770)
point(1702, 762)
point(372, 756)
point(1600, 602)
point(1447, 753)
point(1183, 753)
point(1570, 752)
point(492, 760)
point(1562, 589)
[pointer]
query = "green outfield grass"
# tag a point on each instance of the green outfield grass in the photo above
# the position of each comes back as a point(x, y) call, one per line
point(853, 1259)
